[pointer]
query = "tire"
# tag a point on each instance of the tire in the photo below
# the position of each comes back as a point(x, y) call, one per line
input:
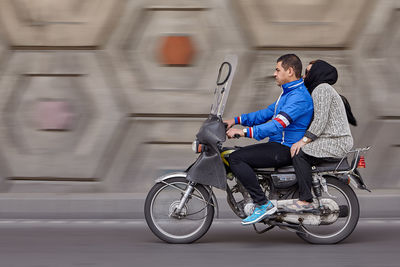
point(350, 217)
point(162, 198)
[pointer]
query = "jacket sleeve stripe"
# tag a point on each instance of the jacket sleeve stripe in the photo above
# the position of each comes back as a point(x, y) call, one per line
point(282, 120)
point(238, 120)
point(284, 114)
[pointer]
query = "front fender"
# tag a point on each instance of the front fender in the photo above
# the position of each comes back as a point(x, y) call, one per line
point(183, 175)
point(171, 175)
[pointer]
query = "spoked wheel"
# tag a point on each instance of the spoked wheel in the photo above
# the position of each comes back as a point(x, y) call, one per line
point(347, 219)
point(190, 224)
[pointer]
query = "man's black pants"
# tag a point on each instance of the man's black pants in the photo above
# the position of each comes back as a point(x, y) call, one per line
point(265, 155)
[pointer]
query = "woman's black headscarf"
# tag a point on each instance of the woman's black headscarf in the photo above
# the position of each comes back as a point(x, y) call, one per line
point(320, 72)
point(323, 72)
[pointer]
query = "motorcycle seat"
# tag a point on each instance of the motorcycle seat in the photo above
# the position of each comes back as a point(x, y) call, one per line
point(329, 165)
point(332, 165)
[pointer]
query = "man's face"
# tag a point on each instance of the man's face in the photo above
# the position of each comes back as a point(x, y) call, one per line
point(281, 75)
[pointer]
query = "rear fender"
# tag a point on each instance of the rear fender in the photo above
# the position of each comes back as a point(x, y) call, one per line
point(354, 178)
point(183, 175)
point(357, 180)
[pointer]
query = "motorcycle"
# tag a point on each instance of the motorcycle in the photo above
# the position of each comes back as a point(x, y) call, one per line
point(180, 207)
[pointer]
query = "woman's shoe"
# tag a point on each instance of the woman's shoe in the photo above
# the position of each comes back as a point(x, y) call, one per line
point(295, 206)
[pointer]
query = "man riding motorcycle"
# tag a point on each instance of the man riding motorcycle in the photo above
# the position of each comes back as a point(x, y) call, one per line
point(284, 122)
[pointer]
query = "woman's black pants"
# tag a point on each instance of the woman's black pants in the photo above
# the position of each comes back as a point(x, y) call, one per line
point(265, 155)
point(302, 165)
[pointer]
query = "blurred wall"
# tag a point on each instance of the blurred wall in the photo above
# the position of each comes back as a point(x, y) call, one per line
point(106, 95)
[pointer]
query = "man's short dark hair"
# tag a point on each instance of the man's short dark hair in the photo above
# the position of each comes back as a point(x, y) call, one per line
point(291, 60)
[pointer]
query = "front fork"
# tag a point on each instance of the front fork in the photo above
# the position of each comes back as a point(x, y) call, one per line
point(185, 197)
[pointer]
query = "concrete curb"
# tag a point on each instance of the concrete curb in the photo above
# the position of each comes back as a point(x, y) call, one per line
point(378, 204)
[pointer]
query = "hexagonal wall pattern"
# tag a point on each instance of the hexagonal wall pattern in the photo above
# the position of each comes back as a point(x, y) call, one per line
point(310, 23)
point(380, 62)
point(22, 112)
point(58, 23)
point(377, 66)
point(144, 49)
point(163, 98)
point(152, 147)
point(80, 152)
point(153, 87)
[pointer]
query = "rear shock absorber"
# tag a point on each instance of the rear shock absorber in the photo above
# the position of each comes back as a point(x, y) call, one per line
point(317, 188)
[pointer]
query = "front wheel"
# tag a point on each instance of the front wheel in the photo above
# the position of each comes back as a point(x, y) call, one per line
point(194, 219)
point(333, 233)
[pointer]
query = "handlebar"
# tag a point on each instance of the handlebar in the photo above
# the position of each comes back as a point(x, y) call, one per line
point(237, 136)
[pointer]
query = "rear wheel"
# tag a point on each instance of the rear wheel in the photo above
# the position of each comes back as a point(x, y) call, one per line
point(347, 220)
point(194, 220)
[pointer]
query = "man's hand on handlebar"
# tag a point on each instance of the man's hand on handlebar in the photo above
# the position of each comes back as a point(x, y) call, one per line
point(229, 123)
point(235, 133)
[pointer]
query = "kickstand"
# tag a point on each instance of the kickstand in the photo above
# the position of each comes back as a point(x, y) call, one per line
point(262, 231)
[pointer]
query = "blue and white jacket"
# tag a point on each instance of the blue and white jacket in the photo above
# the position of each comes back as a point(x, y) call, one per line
point(286, 120)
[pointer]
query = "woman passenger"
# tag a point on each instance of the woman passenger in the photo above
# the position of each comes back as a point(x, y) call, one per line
point(328, 135)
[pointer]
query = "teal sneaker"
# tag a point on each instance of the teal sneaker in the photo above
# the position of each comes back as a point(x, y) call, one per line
point(260, 213)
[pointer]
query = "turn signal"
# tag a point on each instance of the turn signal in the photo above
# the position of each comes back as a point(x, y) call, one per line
point(197, 147)
point(361, 162)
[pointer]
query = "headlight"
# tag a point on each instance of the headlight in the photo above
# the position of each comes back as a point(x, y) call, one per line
point(195, 144)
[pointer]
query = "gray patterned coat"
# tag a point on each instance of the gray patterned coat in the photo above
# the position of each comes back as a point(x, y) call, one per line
point(329, 130)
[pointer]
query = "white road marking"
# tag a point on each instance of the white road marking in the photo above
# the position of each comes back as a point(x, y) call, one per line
point(5, 222)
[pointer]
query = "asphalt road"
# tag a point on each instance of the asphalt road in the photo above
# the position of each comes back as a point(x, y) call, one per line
point(50, 243)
